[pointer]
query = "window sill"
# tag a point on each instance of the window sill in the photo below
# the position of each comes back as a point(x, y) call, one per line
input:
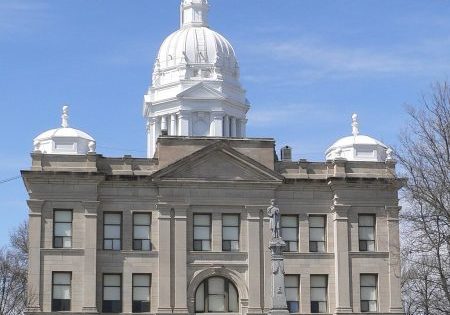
point(370, 254)
point(60, 251)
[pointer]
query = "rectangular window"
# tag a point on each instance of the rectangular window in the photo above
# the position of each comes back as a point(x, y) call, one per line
point(112, 231)
point(292, 292)
point(317, 224)
point(61, 291)
point(141, 231)
point(202, 232)
point(112, 293)
point(289, 232)
point(368, 293)
point(141, 293)
point(230, 232)
point(366, 231)
point(62, 228)
point(319, 284)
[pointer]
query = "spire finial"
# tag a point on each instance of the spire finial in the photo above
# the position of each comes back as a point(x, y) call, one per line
point(194, 13)
point(65, 117)
point(355, 125)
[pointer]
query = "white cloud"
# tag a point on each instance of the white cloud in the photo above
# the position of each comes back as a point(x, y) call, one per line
point(21, 16)
point(312, 59)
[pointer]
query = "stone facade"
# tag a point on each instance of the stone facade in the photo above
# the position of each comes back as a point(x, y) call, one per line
point(215, 176)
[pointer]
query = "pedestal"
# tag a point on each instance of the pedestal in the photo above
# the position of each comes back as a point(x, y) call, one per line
point(279, 305)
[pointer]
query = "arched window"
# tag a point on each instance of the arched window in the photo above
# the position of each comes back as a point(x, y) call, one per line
point(216, 294)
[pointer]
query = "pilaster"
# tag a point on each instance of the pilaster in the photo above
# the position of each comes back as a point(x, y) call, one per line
point(216, 129)
point(341, 257)
point(164, 262)
point(151, 137)
point(34, 256)
point(90, 257)
point(395, 303)
point(226, 126)
point(255, 287)
point(180, 259)
point(233, 127)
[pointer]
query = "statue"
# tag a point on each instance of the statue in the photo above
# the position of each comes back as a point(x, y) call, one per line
point(274, 213)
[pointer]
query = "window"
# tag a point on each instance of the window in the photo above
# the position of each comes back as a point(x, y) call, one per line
point(230, 232)
point(317, 225)
point(62, 229)
point(292, 292)
point(61, 293)
point(112, 223)
point(141, 293)
point(141, 231)
point(216, 294)
point(368, 293)
point(289, 232)
point(112, 293)
point(202, 232)
point(319, 285)
point(366, 231)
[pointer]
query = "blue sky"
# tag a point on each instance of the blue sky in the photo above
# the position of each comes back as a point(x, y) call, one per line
point(307, 66)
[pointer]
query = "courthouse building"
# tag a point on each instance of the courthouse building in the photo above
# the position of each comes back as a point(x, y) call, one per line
point(185, 230)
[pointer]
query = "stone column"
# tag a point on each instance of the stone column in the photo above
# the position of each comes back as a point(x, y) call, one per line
point(341, 257)
point(34, 256)
point(164, 262)
point(233, 127)
point(180, 259)
point(254, 260)
point(244, 128)
point(184, 122)
point(226, 126)
point(392, 213)
point(279, 304)
point(216, 128)
point(90, 257)
point(151, 137)
point(173, 125)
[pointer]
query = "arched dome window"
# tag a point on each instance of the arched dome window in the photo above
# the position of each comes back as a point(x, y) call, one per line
point(216, 295)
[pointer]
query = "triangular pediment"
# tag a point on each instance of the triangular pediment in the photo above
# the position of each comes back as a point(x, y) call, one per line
point(218, 163)
point(201, 91)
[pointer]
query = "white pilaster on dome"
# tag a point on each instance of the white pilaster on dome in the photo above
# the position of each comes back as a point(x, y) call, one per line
point(194, 13)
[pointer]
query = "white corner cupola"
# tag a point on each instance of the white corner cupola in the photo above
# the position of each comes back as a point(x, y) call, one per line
point(358, 147)
point(64, 140)
point(195, 87)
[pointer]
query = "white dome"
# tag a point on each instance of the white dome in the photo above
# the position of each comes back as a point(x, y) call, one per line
point(64, 140)
point(196, 46)
point(358, 147)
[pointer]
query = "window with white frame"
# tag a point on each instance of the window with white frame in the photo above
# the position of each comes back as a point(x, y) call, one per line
point(319, 285)
point(230, 232)
point(216, 295)
point(141, 293)
point(317, 225)
point(292, 289)
point(62, 228)
point(61, 291)
point(112, 293)
point(202, 232)
point(112, 231)
point(141, 231)
point(289, 232)
point(366, 231)
point(368, 291)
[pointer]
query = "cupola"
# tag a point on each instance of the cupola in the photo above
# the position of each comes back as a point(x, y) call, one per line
point(195, 90)
point(64, 140)
point(358, 147)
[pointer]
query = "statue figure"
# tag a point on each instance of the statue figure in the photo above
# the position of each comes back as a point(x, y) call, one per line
point(274, 213)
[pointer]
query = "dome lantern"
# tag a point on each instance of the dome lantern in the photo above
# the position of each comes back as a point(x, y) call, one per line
point(358, 147)
point(194, 13)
